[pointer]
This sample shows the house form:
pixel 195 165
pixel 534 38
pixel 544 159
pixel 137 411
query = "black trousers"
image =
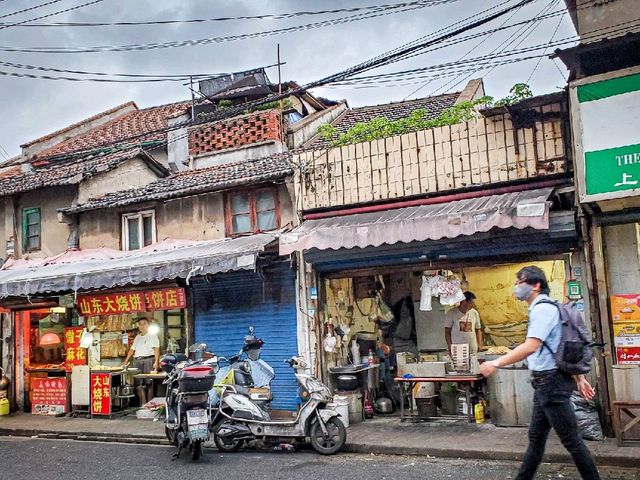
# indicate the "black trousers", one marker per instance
pixel 552 408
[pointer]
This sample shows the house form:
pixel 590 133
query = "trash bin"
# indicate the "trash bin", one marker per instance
pixel 427 406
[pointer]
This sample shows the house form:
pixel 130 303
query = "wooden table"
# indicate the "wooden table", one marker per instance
pixel 407 384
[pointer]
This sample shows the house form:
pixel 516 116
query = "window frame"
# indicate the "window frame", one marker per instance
pixel 140 216
pixel 25 229
pixel 253 212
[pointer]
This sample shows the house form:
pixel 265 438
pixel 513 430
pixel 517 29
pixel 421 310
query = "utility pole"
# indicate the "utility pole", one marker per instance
pixel 279 77
pixel 193 99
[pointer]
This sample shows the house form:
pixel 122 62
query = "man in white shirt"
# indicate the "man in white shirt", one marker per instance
pixel 462 324
pixel 146 352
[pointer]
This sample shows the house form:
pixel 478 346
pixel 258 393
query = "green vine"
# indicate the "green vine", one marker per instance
pixel 382 127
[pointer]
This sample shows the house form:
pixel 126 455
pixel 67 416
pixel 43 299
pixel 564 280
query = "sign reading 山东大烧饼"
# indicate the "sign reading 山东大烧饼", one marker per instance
pixel 610 131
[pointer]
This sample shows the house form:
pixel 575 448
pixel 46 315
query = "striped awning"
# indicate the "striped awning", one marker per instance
pixel 525 209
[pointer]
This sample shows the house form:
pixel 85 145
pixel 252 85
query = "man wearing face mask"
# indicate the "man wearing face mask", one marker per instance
pixel 553 388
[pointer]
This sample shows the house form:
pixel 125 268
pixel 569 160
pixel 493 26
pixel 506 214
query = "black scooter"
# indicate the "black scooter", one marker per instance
pixel 188 411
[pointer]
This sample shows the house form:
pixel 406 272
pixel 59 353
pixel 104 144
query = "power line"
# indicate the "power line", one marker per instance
pixel 137 77
pixel 206 41
pixel 272 16
pixel 59 12
pixel 29 9
pixel 384 59
pixel 555 32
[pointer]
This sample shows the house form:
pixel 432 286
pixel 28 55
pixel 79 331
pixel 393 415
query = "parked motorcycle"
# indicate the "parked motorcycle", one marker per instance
pixel 251 375
pixel 188 411
pixel 239 419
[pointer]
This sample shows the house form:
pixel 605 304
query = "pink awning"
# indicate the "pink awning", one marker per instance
pixel 526 209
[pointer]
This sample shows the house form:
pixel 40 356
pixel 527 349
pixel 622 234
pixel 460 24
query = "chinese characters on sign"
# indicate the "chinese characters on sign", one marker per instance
pixel 166 299
pixel 74 354
pixel 113 304
pixel 628 355
pixel 100 394
pixel 48 396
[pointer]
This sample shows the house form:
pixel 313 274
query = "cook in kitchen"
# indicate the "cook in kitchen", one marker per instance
pixel 462 324
pixel 145 350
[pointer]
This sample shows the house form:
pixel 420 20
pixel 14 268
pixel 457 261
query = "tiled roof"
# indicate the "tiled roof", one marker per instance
pixel 392 111
pixel 198 181
pixel 120 129
pixel 85 121
pixel 56 173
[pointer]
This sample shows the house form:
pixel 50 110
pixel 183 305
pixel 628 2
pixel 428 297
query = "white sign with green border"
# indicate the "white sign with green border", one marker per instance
pixel 610 131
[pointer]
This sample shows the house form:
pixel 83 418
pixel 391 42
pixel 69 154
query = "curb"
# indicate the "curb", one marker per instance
pixel 361 448
pixel 601 460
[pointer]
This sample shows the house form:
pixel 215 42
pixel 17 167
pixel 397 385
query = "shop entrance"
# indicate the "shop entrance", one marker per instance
pixel 414 321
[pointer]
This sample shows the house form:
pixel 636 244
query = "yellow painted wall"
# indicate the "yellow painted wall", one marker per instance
pixel 504 318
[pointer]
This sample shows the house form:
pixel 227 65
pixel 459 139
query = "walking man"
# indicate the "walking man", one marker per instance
pixel 551 404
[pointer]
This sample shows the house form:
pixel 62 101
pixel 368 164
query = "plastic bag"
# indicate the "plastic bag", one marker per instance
pixel 385 314
pixel 587 416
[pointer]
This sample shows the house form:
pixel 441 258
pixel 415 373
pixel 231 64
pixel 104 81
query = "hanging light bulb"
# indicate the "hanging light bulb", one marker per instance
pixel 154 328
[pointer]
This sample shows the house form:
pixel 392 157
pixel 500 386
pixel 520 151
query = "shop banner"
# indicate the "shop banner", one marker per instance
pixel 626 334
pixel 628 355
pixel 625 308
pixel 116 303
pixel 48 396
pixel 74 354
pixel 100 394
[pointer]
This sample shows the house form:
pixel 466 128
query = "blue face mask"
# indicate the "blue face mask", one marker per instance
pixel 523 291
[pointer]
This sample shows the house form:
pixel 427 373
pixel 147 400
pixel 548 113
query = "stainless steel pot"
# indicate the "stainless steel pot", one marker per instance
pixel 4 380
pixel 384 405
pixel 127 390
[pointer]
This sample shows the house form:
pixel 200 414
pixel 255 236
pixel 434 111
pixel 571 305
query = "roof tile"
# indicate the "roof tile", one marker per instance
pixel 196 181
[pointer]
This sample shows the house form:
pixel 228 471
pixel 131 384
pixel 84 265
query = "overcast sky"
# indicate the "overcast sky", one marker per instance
pixel 35 107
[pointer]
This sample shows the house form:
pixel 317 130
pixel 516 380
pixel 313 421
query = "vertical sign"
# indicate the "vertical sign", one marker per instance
pixel 74 354
pixel 100 394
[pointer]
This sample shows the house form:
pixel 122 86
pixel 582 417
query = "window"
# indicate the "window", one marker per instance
pixel 31 229
pixel 138 230
pixel 252 211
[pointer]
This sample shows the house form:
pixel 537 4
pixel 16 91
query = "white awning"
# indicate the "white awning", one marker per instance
pixel 526 209
pixel 179 259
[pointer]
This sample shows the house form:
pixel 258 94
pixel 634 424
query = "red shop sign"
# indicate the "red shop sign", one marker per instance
pixel 116 303
pixel 100 394
pixel 48 396
pixel 74 354
pixel 628 355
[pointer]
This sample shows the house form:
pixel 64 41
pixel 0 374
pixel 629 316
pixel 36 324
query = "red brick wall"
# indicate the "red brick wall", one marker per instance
pixel 236 132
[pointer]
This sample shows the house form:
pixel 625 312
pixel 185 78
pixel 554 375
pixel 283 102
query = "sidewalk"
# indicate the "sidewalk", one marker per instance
pixel 382 435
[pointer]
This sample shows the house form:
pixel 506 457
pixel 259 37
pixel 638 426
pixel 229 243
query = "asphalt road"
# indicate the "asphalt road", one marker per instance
pixel 31 458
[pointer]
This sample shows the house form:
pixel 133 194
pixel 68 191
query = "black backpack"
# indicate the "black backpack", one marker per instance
pixel 575 349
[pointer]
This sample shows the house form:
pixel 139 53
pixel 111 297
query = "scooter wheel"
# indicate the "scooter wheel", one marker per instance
pixel 334 440
pixel 228 447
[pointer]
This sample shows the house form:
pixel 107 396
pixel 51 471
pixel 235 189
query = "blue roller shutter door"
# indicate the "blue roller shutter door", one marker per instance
pixel 227 304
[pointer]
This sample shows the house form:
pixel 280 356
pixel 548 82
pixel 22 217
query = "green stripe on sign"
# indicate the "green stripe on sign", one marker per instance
pixel 608 88
pixel 612 170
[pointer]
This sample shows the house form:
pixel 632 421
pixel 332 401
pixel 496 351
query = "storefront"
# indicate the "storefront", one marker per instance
pixel 74 321
pixel 387 279
pixel 605 109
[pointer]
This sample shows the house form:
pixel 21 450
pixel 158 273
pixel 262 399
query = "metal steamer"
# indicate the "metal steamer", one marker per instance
pixel 188 408
pixel 239 419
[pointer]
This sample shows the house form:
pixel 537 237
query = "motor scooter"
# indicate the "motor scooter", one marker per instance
pixel 239 419
pixel 188 410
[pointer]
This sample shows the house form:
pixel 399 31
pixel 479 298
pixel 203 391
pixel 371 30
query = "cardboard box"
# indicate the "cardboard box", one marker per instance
pixel 625 308
pixel 428 357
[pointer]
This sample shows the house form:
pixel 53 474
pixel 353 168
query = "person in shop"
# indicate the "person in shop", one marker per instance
pixel 462 324
pixel 552 388
pixel 146 352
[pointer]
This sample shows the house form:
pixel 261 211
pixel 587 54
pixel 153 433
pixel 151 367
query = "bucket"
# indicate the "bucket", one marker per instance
pixel 427 406
pixel 354 406
pixel 342 407
pixel 449 402
pixel 5 408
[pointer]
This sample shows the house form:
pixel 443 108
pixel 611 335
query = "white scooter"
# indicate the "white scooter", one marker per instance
pixel 239 419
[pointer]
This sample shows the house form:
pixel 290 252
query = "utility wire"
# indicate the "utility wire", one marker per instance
pixel 59 12
pixel 18 12
pixel 207 41
pixel 487 37
pixel 380 60
pixel 272 16
pixel 555 32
